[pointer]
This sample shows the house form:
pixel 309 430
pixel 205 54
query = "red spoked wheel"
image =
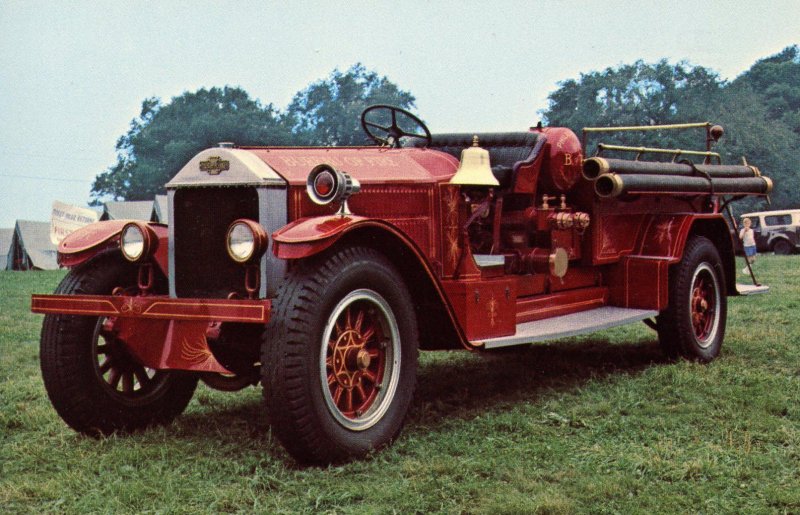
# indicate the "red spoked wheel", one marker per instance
pixel 704 302
pixel 360 361
pixel 693 325
pixel 339 357
pixel 118 371
pixel 93 381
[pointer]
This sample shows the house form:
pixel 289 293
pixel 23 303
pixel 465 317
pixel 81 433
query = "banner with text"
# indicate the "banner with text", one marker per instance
pixel 66 218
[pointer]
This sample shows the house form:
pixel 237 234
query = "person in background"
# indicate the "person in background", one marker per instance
pixel 748 242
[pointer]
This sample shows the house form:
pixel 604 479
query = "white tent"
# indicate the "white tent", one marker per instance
pixel 6 235
pixel 31 248
pixel 128 210
pixel 160 210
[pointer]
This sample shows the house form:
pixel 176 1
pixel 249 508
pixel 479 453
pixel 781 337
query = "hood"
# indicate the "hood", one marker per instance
pixel 280 165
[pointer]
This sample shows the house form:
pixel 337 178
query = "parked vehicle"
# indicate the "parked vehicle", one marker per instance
pixel 776 231
pixel 320 272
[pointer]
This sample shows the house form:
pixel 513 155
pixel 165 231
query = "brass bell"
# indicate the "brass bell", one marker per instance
pixel 474 169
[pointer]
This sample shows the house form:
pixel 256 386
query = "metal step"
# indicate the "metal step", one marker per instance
pixel 569 325
pixel 489 260
pixel 751 289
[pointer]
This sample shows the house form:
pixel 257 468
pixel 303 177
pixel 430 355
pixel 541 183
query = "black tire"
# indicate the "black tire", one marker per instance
pixel 92 381
pixel 353 399
pixel 693 325
pixel 782 247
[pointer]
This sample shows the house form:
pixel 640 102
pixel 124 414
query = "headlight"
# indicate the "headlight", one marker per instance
pixel 246 241
pixel 136 242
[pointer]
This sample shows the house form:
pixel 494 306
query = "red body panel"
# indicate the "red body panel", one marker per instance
pixel 169 344
pixel 640 282
pixel 485 308
pixel 371 165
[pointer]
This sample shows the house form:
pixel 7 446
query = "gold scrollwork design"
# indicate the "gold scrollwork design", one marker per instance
pixel 197 353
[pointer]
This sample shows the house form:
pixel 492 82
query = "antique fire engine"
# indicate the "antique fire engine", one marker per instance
pixel 320 272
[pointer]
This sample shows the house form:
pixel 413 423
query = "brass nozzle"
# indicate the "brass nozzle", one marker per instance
pixel 595 167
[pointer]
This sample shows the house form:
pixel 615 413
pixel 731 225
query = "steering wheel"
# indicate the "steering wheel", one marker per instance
pixel 389 136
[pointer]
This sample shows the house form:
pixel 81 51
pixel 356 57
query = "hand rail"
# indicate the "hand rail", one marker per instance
pixel 710 138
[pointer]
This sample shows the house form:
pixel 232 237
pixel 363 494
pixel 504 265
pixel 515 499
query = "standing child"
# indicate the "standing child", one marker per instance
pixel 748 242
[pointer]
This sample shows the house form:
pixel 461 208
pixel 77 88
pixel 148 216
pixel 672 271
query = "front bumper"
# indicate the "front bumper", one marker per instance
pixel 161 332
pixel 155 307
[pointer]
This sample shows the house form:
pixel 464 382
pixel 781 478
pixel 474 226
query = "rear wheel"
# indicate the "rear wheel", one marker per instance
pixel 92 380
pixel 782 248
pixel 693 326
pixel 340 357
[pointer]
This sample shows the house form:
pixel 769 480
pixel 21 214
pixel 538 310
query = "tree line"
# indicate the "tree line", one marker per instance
pixel 760 110
pixel 166 135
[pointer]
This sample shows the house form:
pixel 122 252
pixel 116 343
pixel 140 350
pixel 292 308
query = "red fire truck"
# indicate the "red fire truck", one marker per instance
pixel 320 272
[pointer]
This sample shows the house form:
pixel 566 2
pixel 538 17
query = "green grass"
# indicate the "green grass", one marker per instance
pixel 595 424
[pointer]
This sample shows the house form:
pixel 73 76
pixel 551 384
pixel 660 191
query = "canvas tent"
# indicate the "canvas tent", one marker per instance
pixel 31 248
pixel 6 235
pixel 160 210
pixel 128 210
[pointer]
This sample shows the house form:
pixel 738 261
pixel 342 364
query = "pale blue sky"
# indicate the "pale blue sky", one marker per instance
pixel 74 74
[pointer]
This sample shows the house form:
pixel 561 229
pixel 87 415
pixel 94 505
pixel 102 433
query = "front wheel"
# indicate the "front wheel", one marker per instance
pixel 340 357
pixel 693 325
pixel 92 380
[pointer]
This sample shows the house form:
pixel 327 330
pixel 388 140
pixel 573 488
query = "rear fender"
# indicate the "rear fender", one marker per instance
pixel 718 231
pixel 709 225
pixel 89 241
pixel 641 278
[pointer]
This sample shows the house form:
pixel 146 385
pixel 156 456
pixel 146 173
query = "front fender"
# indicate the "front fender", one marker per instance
pixel 88 241
pixel 308 236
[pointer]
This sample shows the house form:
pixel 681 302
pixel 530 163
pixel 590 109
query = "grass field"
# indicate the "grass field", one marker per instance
pixel 595 424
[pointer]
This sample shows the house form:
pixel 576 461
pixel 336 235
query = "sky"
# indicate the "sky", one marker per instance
pixel 74 74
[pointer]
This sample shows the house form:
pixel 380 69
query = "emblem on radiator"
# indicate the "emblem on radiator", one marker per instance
pixel 214 165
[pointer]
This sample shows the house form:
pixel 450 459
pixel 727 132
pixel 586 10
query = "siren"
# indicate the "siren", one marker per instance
pixel 326 184
pixel 474 169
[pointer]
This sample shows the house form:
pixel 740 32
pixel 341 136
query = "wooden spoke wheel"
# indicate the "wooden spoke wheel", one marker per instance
pixel 339 356
pixel 94 383
pixel 360 359
pixel 130 382
pixel 693 325
pixel 704 303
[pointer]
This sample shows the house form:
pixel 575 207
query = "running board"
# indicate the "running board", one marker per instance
pixel 569 325
pixel 751 289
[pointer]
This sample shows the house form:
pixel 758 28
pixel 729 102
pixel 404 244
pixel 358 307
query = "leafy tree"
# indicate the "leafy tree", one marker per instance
pixel 634 94
pixel 760 112
pixel 777 80
pixel 752 133
pixel 166 136
pixel 328 111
